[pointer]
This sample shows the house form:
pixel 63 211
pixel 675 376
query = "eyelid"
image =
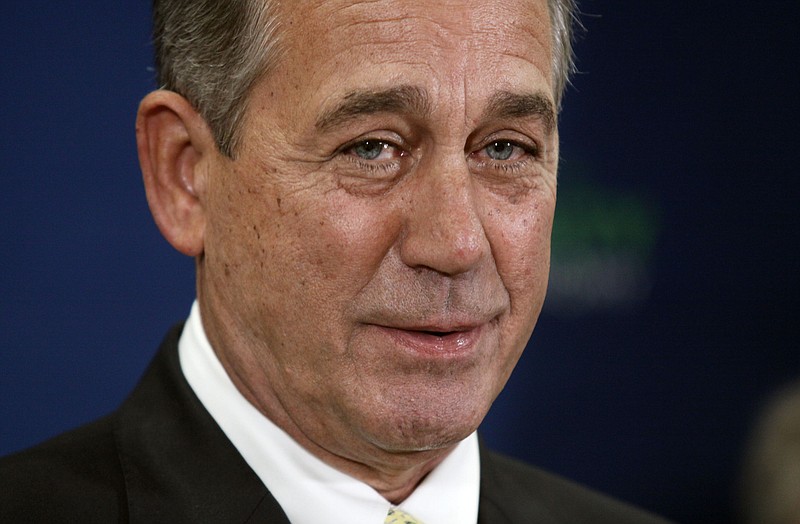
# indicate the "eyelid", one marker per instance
pixel 387 137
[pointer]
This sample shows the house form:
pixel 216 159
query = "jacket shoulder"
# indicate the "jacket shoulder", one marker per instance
pixel 74 476
pixel 515 492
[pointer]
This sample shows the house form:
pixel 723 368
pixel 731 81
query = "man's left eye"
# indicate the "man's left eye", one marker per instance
pixel 371 149
pixel 502 150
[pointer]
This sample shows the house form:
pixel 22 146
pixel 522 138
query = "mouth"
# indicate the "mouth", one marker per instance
pixel 438 341
pixel 436 333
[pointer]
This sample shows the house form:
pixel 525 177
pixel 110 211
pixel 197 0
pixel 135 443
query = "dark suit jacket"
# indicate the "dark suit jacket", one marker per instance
pixel 161 458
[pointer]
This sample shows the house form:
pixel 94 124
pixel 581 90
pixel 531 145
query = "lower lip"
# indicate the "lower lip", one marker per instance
pixel 455 344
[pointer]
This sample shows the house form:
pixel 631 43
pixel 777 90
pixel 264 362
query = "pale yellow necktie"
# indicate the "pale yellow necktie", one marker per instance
pixel 398 516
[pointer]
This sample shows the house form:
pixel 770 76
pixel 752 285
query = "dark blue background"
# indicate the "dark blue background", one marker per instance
pixel 689 107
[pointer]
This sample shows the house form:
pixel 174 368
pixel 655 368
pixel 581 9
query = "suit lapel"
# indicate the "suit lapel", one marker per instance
pixel 490 510
pixel 505 499
pixel 178 464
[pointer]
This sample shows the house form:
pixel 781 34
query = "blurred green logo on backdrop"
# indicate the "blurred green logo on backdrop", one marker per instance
pixel 603 245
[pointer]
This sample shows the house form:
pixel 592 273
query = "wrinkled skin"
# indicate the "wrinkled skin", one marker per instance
pixel 376 255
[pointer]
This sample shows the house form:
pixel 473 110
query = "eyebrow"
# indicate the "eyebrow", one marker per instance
pixel 414 100
pixel 507 104
pixel 400 99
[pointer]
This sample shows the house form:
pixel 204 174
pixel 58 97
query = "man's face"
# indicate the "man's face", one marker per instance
pixel 377 254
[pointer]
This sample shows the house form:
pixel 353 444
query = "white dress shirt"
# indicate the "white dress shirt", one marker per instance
pixel 305 486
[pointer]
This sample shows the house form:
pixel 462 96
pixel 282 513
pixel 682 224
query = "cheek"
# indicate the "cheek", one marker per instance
pixel 241 251
pixel 522 253
pixel 349 238
pixel 320 249
pixel 522 257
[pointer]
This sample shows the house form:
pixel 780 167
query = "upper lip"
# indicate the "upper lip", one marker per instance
pixel 433 319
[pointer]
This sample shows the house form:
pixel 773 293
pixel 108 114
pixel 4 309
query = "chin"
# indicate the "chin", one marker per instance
pixel 439 428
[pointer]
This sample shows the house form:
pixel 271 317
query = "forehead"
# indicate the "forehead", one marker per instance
pixel 397 20
pixel 448 45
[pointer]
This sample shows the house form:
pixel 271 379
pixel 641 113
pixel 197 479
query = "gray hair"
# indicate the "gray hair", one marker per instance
pixel 563 16
pixel 213 52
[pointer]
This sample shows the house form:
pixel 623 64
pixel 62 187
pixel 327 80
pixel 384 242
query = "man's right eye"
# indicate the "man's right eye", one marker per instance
pixel 375 150
pixel 371 161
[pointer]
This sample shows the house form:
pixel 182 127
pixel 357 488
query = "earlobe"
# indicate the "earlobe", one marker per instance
pixel 175 146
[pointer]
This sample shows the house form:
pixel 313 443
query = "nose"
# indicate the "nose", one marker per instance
pixel 443 227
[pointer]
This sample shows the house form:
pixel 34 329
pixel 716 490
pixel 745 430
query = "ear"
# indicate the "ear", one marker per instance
pixel 175 149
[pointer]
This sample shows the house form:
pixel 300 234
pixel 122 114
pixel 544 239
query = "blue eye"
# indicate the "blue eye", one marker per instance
pixel 370 149
pixel 500 150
